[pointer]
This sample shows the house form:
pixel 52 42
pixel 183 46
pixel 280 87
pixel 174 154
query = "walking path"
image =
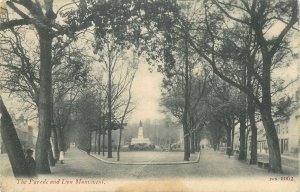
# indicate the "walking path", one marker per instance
pixel 283 156
pixel 211 164
pixel 290 157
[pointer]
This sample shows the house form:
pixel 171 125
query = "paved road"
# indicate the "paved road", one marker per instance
pixel 212 164
pixel 214 171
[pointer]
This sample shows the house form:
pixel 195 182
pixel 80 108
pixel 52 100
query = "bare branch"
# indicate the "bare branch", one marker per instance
pixel 13 23
pixel 216 2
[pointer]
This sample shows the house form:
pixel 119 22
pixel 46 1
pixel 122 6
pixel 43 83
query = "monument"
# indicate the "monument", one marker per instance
pixel 140 139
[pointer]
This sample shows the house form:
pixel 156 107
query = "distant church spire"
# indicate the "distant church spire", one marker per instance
pixel 141 124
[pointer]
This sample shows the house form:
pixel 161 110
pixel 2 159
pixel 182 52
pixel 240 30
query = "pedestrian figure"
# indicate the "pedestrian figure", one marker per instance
pixel 30 163
pixel 62 157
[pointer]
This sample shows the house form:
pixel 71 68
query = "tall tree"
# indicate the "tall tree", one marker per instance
pixel 12 143
pixel 125 114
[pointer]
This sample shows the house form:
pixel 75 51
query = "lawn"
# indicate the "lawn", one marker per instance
pixel 148 156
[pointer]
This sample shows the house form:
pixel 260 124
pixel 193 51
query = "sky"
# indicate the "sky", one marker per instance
pixel 146 93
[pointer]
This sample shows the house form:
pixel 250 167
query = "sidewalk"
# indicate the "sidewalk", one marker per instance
pixel 287 162
pixel 290 157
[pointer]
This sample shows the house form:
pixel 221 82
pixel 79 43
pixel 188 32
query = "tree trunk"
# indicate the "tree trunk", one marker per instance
pixel 51 158
pixel 103 143
pixel 90 142
pixel 95 142
pixel 12 144
pixel 55 143
pixel 44 102
pixel 89 147
pixel 272 140
pixel 51 153
pixel 197 141
pixel 251 114
pixel 266 114
pixel 193 142
pixel 109 144
pixel 242 149
pixel 228 150
pixel 63 142
pixel 119 145
pixel 186 140
pixel 186 133
pixel 99 141
pixel 109 98
pixel 232 139
pixel 246 145
pixel 60 143
pixel 59 134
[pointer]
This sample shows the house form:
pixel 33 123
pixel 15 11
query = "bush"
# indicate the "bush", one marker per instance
pixel 175 145
pixel 141 147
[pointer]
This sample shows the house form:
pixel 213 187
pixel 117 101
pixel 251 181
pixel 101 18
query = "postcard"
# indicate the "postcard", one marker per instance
pixel 138 95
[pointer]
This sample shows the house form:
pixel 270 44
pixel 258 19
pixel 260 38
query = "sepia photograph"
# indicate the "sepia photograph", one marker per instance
pixel 149 95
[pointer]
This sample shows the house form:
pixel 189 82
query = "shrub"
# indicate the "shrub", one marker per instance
pixel 141 147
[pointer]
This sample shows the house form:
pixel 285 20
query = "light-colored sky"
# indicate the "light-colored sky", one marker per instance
pixel 146 93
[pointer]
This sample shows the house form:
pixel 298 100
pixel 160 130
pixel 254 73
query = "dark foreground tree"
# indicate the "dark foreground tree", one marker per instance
pixel 12 143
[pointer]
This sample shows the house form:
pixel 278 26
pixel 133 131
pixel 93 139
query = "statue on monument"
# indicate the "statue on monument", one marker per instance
pixel 140 139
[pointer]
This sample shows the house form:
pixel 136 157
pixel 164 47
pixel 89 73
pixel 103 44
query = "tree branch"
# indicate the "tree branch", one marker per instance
pixel 217 3
pixel 14 23
pixel 294 19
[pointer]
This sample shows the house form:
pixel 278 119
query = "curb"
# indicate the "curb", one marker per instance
pixel 146 163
